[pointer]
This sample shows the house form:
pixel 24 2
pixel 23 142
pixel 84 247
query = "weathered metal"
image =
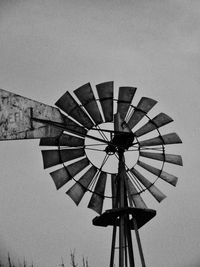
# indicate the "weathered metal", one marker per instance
pixel 23 118
pixel 54 157
pixel 69 105
pixel 96 201
pixel 135 196
pixel 64 174
pixel 125 98
pixel 143 107
pixel 158 195
pixel 105 92
pixel 167 177
pixel 63 140
pixel 170 138
pixel 160 120
pixel 16 114
pixel 171 158
pixel 87 99
pixel 77 191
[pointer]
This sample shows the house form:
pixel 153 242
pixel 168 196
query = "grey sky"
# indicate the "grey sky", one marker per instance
pixel 48 47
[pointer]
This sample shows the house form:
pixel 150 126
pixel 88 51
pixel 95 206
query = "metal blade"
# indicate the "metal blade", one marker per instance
pixel 54 157
pixel 63 175
pixel 143 107
pixel 158 195
pixel 73 127
pixel 171 158
pixel 86 97
pixel 96 201
pixel 171 138
pixel 169 178
pixel 157 122
pixel 125 97
pixel 105 92
pixel 63 140
pixel 77 191
pixel 16 118
pixel 137 199
pixel 72 108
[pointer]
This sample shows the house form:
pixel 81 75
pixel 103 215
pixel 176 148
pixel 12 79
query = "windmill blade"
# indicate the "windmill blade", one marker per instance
pixel 77 191
pixel 63 140
pixel 105 92
pixel 73 127
pixel 137 199
pixel 157 122
pixel 170 158
pixel 54 157
pixel 143 107
pixel 169 178
pixel 72 108
pixel 16 118
pixel 96 201
pixel 63 175
pixel 171 138
pixel 125 98
pixel 86 97
pixel 156 193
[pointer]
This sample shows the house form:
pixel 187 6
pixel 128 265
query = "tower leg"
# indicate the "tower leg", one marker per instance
pixel 130 245
pixel 113 246
pixel 121 241
pixel 139 243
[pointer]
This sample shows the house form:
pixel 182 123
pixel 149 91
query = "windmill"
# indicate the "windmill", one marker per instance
pixel 103 145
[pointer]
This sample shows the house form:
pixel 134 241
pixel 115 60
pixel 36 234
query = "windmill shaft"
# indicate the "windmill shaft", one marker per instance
pixel 125 238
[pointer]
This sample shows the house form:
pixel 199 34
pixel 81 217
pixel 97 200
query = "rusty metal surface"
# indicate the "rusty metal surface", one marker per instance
pixel 15 117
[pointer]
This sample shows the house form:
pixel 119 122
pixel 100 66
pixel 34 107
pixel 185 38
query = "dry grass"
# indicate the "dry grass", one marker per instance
pixel 73 262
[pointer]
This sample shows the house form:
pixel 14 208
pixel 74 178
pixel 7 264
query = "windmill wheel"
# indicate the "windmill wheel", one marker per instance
pixel 87 148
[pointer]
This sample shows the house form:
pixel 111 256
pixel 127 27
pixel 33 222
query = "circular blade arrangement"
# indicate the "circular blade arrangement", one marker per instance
pixel 89 115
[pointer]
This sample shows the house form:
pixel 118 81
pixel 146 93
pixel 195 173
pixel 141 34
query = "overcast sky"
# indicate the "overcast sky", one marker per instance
pixel 48 47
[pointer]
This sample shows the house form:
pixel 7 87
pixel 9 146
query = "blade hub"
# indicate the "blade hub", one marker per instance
pixel 121 141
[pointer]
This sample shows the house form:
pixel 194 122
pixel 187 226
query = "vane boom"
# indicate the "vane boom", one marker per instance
pixel 16 113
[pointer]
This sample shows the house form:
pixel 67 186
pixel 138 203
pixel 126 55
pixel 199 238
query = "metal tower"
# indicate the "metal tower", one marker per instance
pixel 107 146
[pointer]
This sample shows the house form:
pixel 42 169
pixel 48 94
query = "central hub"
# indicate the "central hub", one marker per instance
pixel 123 136
pixel 97 151
pixel 122 141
